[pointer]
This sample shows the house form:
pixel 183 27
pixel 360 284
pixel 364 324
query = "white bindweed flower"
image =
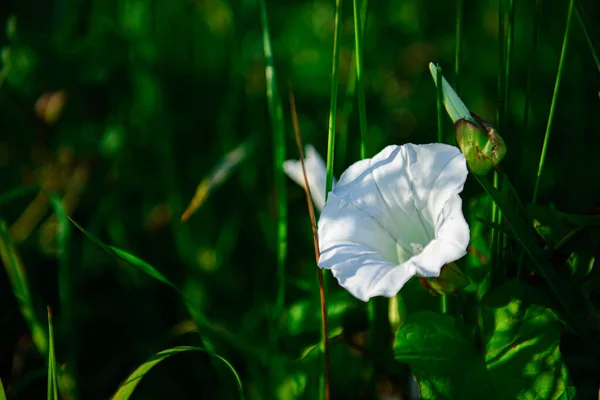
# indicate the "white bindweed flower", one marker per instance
pixel 393 216
pixel 316 173
pixel 454 105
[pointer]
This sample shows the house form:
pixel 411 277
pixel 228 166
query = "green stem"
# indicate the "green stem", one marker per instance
pixel 509 51
pixel 457 55
pixel 362 112
pixel 561 65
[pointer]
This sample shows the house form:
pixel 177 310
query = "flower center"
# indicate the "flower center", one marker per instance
pixel 417 248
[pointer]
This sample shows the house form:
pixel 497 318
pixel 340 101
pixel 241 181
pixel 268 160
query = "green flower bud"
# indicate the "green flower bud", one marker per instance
pixel 450 280
pixel 482 146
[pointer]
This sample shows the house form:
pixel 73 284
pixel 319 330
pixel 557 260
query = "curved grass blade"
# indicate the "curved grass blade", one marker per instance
pixel 218 176
pixel 128 258
pixel 18 279
pixel 2 392
pixel 127 388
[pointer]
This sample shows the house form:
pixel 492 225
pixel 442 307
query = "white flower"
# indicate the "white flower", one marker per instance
pixel 316 173
pixel 454 105
pixel 393 216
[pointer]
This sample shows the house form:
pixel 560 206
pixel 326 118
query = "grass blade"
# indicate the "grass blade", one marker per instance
pixel 337 32
pixel 276 115
pixel 18 279
pixel 52 380
pixel 457 51
pixel 128 258
pixel 561 65
pixel 510 36
pixel 440 104
pixel 128 387
pixel 362 110
pixel 583 22
pixel 218 176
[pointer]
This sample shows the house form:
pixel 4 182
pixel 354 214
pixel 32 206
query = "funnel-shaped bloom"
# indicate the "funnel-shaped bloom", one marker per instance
pixel 393 216
pixel 316 173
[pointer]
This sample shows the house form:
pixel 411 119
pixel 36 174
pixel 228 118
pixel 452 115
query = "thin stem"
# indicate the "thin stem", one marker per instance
pixel 313 222
pixel 440 104
pixel 534 44
pixel 362 112
pixel 501 67
pixel 457 55
pixel 561 65
pixel 334 95
pixel 580 17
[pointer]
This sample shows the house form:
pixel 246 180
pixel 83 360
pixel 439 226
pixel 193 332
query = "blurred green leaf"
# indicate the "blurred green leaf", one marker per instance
pixel 2 392
pixel 128 387
pixel 52 381
pixel 18 279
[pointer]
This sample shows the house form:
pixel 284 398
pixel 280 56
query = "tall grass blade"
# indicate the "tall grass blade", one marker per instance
pixel 440 104
pixel 561 65
pixel 18 280
pixel 358 51
pixel 52 380
pixel 128 387
pixel 510 37
pixel 276 115
pixel 458 45
pixel 337 31
pixel 2 392
pixel 313 221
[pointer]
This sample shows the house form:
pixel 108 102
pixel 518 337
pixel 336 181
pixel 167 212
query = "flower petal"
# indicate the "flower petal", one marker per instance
pixel 384 209
pixel 358 251
pixel 316 173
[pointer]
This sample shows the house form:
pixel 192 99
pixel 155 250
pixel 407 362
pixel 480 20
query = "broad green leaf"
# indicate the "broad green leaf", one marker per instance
pixel 128 387
pixel 546 213
pixel 519 359
pixel 522 339
pixel 572 306
pixel 442 357
pixel 478 253
pixel 18 280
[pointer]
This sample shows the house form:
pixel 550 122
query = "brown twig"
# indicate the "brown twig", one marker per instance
pixel 311 211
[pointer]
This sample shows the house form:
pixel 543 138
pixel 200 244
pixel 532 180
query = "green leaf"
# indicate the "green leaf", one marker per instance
pixel 52 380
pixel 522 339
pixel 520 356
pixel 442 357
pixel 128 387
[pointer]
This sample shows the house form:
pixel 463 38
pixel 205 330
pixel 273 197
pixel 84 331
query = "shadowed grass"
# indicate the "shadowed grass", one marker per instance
pixel 584 22
pixel 561 65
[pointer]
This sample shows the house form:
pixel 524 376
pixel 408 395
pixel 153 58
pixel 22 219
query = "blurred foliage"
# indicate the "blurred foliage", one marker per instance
pixel 123 107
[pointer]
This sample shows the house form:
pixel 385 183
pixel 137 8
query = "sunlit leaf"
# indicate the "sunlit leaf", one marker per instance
pixel 128 387
pixel 519 357
pixel 52 380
